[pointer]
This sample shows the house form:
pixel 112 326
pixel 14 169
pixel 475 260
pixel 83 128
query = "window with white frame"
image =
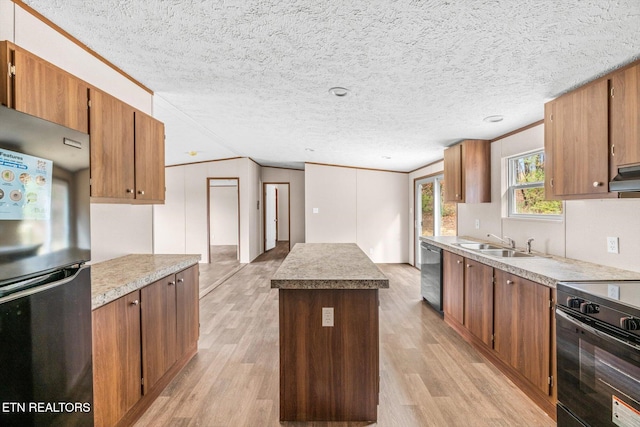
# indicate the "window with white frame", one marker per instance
pixel 526 188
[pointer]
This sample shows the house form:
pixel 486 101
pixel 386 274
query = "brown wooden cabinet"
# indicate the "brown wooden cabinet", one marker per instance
pixel 188 314
pixel 36 87
pixel 140 342
pixel 522 327
pixel 159 349
pixel 149 158
pixel 478 300
pixel 577 141
pixel 116 359
pixel 625 118
pixel 453 286
pixel 127 152
pixel 467 172
pixel 112 147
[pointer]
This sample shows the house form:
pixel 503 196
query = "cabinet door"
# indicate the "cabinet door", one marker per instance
pixel 625 118
pixel 158 313
pixel 112 147
pixel 478 300
pixel 476 171
pixel 149 158
pixel 522 327
pixel 116 359
pixel 187 303
pixel 580 156
pixel 453 286
pixel 46 91
pixel 453 174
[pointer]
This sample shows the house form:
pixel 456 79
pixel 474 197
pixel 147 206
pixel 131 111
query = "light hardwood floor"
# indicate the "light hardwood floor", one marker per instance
pixel 429 375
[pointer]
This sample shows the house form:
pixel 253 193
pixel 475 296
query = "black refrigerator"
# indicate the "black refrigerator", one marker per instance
pixel 45 284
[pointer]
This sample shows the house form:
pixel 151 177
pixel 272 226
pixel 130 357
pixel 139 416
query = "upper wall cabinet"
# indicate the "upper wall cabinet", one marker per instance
pixel 467 172
pixel 625 118
pixel 127 152
pixel 576 140
pixel 41 89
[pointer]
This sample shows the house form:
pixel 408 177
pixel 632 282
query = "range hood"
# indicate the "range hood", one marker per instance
pixel 628 179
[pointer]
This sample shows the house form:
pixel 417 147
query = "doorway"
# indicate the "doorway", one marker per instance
pixel 276 215
pixel 223 207
pixel 434 216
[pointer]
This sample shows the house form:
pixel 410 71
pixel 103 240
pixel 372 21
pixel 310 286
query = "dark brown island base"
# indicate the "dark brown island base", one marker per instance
pixel 329 347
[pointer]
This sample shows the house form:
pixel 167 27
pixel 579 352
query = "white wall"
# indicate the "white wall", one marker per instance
pixel 115 229
pixel 183 218
pixel 118 230
pixel 433 169
pixel 223 215
pixel 358 206
pixel 296 180
pixel 580 235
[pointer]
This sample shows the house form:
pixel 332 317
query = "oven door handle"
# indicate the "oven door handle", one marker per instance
pixel 594 331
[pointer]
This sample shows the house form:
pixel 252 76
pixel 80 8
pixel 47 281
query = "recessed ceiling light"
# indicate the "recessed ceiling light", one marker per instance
pixel 309 149
pixel 386 157
pixel 339 91
pixel 493 119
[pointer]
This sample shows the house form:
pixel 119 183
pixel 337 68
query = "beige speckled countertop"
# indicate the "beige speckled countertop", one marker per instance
pixel 544 269
pixel 117 277
pixel 328 266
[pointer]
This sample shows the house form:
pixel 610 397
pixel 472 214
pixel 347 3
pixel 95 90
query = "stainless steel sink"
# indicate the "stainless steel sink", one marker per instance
pixel 505 253
pixel 477 246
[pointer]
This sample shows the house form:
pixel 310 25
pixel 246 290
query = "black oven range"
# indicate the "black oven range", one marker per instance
pixel 598 354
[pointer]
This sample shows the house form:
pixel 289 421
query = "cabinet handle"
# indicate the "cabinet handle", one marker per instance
pixel 468 265
pixel 129 190
pixel 172 283
pixel 180 280
pixel 135 302
pixel 510 282
pixel 459 262
pixel 140 192
pixel 551 182
pixel 613 151
pixel 597 184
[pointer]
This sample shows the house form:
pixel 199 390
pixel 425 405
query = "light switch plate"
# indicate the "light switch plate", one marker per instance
pixel 613 291
pixel 327 316
pixel 477 224
pixel 612 245
pixel 316 210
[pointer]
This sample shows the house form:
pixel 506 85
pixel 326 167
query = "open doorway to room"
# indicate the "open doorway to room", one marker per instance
pixel 276 216
pixel 223 206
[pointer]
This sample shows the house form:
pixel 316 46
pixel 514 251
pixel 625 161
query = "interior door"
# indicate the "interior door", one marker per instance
pixel 271 219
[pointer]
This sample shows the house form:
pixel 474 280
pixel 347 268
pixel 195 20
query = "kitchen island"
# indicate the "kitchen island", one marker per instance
pixel 329 347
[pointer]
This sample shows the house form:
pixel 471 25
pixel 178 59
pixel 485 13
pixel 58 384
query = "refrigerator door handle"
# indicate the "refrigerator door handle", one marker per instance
pixel 37 284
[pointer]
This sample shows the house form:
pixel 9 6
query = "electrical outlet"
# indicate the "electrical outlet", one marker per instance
pixel 327 316
pixel 613 291
pixel 477 224
pixel 316 210
pixel 612 245
pixel 371 251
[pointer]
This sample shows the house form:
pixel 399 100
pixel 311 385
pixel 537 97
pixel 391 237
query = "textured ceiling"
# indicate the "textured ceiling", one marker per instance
pixel 251 77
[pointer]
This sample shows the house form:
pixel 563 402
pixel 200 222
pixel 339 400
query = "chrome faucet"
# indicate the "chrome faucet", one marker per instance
pixel 529 245
pixel 507 240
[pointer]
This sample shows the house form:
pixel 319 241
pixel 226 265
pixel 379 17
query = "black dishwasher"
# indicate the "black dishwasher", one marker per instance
pixel 431 275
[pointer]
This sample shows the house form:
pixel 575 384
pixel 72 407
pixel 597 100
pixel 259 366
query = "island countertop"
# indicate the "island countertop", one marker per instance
pixel 117 277
pixel 328 266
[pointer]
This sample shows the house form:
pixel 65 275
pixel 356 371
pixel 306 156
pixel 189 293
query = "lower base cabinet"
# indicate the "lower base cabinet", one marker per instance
pixel 140 342
pixel 508 319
